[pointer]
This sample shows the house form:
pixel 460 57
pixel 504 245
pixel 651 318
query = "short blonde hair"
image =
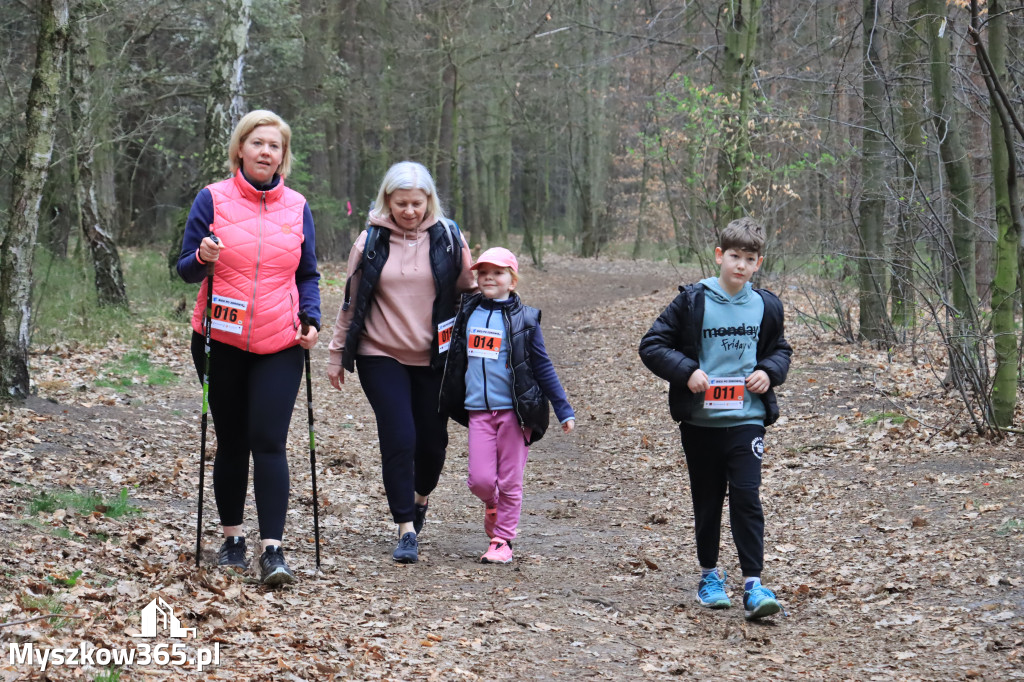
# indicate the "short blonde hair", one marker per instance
pixel 251 121
pixel 408 175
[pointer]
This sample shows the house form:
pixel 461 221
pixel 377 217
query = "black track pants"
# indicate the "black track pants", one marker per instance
pixel 718 458
pixel 412 435
pixel 251 398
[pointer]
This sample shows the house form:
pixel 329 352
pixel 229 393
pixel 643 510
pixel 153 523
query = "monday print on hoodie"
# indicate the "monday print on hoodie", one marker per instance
pixel 728 348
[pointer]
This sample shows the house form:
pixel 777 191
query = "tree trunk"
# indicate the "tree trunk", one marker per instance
pixel 957 166
pixel 95 215
pixel 742 18
pixel 534 198
pixel 873 323
pixel 911 104
pixel 30 172
pixel 1004 173
pixel 476 221
pixel 445 166
pixel 224 103
pixel 591 171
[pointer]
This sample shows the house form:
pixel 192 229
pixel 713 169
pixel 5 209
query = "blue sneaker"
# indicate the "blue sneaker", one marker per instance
pixel 760 602
pixel 408 550
pixel 711 591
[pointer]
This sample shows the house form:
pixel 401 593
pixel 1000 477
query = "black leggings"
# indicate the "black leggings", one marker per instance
pixel 251 399
pixel 412 434
pixel 720 457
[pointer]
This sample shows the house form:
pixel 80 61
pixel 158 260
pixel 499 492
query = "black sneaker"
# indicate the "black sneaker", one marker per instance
pixel 232 553
pixel 408 550
pixel 273 570
pixel 421 518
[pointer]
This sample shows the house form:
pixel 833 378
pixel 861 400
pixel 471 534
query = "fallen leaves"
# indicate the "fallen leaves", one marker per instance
pixel 895 546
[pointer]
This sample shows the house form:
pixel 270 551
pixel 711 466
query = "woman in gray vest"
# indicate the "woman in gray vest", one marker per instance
pixel 406 272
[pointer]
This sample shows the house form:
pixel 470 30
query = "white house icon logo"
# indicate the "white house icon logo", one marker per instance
pixel 159 613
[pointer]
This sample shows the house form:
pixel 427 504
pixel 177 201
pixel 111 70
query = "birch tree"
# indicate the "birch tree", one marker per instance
pixel 225 103
pixel 19 238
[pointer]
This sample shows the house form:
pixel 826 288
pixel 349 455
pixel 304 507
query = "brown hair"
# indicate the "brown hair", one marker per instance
pixel 743 234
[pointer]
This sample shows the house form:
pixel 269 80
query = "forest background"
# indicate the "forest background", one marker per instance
pixel 607 142
pixel 877 141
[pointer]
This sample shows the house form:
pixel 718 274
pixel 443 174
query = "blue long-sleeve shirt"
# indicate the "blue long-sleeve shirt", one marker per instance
pixel 307 276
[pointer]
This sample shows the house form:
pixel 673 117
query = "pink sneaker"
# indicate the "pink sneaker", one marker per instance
pixel 500 552
pixel 490 518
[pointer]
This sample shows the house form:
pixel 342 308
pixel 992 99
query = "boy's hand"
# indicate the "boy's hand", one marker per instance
pixel 699 383
pixel 758 382
pixel 568 426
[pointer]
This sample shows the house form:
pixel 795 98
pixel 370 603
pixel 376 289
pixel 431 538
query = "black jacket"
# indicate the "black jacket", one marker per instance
pixel 521 324
pixel 671 349
pixel 446 266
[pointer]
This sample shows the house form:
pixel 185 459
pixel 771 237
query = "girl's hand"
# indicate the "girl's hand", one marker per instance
pixel 308 338
pixel 699 383
pixel 336 375
pixel 568 426
pixel 758 382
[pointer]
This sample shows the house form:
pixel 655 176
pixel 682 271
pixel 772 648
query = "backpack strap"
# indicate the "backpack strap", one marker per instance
pixel 451 230
pixel 369 251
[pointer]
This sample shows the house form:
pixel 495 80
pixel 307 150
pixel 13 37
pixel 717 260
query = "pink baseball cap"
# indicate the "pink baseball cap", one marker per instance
pixel 499 256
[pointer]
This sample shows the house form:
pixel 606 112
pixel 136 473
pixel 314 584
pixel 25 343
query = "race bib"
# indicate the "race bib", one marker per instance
pixel 228 314
pixel 484 342
pixel 444 335
pixel 726 393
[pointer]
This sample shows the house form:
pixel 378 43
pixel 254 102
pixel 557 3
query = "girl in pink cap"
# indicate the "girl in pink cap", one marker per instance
pixel 498 380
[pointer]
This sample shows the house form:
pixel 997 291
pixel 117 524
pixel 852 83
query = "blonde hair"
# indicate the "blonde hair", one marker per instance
pixel 407 175
pixel 251 121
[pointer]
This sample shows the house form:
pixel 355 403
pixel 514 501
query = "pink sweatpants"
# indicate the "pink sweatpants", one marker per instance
pixel 497 458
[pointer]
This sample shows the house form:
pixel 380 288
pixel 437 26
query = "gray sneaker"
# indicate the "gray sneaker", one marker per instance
pixel 273 570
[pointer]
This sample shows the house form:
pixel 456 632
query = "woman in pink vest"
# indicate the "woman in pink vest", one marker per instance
pixel 266 309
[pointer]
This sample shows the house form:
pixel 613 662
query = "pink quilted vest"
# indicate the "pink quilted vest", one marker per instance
pixel 255 300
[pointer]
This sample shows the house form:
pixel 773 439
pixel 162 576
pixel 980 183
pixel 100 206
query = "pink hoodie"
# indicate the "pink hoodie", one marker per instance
pixel 398 320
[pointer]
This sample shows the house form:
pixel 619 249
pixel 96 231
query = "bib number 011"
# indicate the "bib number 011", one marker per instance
pixel 725 393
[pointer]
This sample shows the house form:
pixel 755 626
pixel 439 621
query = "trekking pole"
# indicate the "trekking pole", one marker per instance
pixel 312 449
pixel 207 321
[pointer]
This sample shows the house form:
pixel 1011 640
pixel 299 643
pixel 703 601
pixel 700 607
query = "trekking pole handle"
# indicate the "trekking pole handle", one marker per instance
pixel 210 265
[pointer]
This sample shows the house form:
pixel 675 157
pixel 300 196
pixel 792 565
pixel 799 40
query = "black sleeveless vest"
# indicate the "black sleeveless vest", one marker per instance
pixel 445 265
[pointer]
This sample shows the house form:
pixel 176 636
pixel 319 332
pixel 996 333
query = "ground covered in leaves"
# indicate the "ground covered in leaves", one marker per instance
pixel 895 535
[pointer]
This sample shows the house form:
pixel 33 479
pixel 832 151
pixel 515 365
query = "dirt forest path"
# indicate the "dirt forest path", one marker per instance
pixel 894 545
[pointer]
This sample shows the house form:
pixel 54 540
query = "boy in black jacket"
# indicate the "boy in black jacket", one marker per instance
pixel 720 345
